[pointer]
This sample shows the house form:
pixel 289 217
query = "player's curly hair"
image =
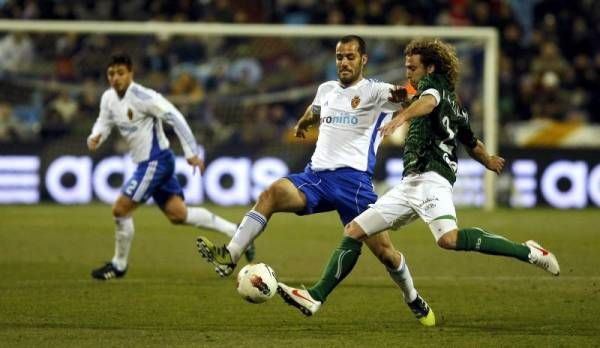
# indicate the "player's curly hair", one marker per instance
pixel 437 53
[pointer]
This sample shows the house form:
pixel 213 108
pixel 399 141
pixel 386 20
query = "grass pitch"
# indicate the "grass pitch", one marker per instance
pixel 171 297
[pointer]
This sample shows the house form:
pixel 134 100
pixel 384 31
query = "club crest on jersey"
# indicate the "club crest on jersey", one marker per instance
pixel 354 102
pixel 130 114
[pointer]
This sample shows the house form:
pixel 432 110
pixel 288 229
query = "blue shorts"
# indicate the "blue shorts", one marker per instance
pixel 154 178
pixel 346 190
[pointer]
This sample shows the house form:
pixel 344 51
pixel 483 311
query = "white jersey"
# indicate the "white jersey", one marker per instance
pixel 350 118
pixel 138 116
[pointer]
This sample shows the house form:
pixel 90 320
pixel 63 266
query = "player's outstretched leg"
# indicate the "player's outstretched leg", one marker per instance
pixel 218 256
pixel 204 218
pixel 477 239
pixel 108 271
pixel 422 311
pixel 299 298
pixel 542 258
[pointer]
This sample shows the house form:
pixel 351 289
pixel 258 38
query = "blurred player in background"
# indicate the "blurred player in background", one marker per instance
pixel 338 176
pixel 138 113
pixel 437 121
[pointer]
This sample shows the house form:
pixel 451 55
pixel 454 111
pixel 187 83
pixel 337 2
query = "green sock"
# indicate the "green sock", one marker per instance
pixel 477 239
pixel 340 264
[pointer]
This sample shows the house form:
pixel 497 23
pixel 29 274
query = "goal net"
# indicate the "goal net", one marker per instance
pixel 241 87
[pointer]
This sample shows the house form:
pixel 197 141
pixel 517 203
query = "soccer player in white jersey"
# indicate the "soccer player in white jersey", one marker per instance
pixel 437 123
pixel 138 113
pixel 349 112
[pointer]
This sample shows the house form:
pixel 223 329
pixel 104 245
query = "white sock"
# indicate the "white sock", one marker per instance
pixel 123 237
pixel 404 280
pixel 200 217
pixel 250 227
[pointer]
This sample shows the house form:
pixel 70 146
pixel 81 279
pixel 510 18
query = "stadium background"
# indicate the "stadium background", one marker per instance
pixel 241 96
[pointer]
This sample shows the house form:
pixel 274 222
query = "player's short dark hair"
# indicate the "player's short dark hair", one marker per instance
pixel 120 58
pixel 362 46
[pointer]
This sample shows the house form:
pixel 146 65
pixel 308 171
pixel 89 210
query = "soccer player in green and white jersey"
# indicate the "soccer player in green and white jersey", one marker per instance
pixel 437 121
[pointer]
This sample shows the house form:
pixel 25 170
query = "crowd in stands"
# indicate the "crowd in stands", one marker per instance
pixel 50 83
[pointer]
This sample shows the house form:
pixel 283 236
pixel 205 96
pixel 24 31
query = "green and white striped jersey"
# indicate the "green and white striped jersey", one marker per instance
pixel 432 140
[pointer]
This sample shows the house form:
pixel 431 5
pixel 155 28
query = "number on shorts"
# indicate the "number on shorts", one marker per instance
pixel 131 187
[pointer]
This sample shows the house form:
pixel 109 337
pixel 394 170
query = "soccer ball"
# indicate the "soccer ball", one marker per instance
pixel 256 283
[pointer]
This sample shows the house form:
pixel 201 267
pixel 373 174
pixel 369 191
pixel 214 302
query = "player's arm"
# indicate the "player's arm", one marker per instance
pixel 419 108
pixel 102 127
pixel 390 97
pixel 164 110
pixel 310 118
pixel 475 147
pixel 480 154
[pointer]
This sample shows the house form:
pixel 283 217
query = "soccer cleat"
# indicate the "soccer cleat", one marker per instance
pixel 422 311
pixel 542 257
pixel 108 271
pixel 250 252
pixel 218 256
pixel 299 298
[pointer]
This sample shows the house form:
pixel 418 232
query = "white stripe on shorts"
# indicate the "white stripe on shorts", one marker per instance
pixel 141 190
pixel 356 198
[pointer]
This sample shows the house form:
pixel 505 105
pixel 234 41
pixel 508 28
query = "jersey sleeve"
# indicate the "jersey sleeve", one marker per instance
pixel 381 94
pixel 428 86
pixel 317 102
pixel 103 124
pixel 465 134
pixel 159 107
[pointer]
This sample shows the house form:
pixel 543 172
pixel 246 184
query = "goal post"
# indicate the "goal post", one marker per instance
pixel 488 37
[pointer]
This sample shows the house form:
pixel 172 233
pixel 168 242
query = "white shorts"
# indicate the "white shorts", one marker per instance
pixel 427 195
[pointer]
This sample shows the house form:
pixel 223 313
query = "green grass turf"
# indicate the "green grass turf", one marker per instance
pixel 171 297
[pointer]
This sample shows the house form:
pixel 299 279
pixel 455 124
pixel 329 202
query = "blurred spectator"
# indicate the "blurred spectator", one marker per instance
pixel 156 57
pixel 550 60
pixel 16 53
pixel 9 126
pixel 221 12
pixel 508 89
pixel 88 100
pixel 31 10
pixel 91 59
pixel 187 93
pixel 525 96
pixel 257 129
pixel 549 64
pixel 245 70
pixel 66 48
pixel 551 101
pixel 65 106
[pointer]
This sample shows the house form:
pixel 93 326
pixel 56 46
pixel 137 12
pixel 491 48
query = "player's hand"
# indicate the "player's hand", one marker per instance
pixel 398 94
pixel 92 142
pixel 299 130
pixel 390 127
pixel 495 164
pixel 196 162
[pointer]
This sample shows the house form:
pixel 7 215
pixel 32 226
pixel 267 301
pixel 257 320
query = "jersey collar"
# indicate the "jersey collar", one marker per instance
pixel 362 80
pixel 126 91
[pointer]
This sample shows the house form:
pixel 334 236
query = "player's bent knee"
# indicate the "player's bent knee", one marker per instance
pixel 176 219
pixel 119 211
pixel 265 203
pixel 268 196
pixel 448 240
pixel 354 231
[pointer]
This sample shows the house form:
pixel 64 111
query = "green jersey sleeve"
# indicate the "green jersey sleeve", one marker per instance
pixel 465 134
